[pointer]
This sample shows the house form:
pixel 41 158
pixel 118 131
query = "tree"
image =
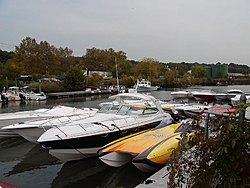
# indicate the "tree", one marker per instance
pixel 102 60
pixel 42 58
pixel 147 68
pixel 74 79
pixel 198 71
pixel 96 80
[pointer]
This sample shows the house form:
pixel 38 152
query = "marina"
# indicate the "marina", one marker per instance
pixel 26 164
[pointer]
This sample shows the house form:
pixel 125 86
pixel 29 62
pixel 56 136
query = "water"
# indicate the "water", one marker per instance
pixel 27 165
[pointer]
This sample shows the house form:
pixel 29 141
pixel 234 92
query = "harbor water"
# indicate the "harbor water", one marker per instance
pixel 27 165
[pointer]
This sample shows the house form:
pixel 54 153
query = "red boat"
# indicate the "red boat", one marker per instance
pixel 203 96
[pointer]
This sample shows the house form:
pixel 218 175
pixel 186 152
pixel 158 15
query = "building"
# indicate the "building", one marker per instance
pixel 217 71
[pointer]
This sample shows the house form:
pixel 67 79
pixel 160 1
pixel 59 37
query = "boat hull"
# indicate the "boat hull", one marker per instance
pixel 68 149
pixel 157 156
pixel 202 97
pixel 146 89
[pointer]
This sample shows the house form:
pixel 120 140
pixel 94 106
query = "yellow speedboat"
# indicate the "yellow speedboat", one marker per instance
pixel 122 151
pixel 148 150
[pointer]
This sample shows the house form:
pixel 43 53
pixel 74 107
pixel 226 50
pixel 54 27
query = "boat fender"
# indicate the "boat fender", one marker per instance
pixel 20 122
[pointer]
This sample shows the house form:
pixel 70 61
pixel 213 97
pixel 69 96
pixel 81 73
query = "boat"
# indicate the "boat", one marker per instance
pixel 26 93
pixel 144 86
pixel 123 150
pixel 82 139
pixel 190 110
pixel 181 94
pixel 7 119
pixel 225 109
pixel 203 96
pixel 34 96
pixel 235 101
pixel 12 94
pixel 233 92
pixel 221 96
pixel 33 129
pixel 132 148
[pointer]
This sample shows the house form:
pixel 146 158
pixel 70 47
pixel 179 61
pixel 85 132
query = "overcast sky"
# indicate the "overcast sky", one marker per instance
pixel 167 30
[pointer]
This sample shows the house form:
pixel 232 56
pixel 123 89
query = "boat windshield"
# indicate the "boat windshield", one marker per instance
pixel 108 108
pixel 136 110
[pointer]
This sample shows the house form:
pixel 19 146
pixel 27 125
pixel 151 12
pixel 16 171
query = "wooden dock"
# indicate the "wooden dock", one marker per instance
pixel 159 179
pixel 72 94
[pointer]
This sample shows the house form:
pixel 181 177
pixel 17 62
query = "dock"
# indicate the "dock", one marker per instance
pixel 72 94
pixel 159 179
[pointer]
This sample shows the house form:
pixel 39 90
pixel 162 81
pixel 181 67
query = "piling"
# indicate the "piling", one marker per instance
pixel 241 109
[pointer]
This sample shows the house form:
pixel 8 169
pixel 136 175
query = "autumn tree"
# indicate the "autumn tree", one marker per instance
pixel 95 80
pixel 102 60
pixel 147 68
pixel 198 71
pixel 42 58
pixel 74 79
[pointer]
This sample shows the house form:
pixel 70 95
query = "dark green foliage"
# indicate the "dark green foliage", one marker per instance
pixel 223 160
pixel 5 56
pixel 74 79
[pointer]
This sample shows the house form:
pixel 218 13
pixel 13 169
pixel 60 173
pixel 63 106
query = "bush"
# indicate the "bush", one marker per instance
pixel 222 160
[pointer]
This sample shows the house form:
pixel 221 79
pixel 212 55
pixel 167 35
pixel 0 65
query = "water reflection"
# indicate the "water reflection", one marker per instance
pixel 94 173
pixel 36 158
pixel 14 149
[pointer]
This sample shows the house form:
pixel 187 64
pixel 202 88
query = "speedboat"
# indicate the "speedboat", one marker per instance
pixel 23 116
pixel 181 94
pixel 203 96
pixel 33 129
pixel 82 138
pixel 190 110
pixel 138 148
pixel 233 92
pixel 235 101
pixel 144 86
pixel 196 111
pixel 34 96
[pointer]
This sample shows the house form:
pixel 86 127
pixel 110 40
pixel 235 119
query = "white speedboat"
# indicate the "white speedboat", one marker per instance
pixel 181 94
pixel 33 129
pixel 235 101
pixel 203 96
pixel 34 96
pixel 233 92
pixel 144 86
pixel 82 138
pixel 23 116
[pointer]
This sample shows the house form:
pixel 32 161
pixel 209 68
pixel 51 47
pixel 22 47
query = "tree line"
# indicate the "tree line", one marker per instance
pixel 45 60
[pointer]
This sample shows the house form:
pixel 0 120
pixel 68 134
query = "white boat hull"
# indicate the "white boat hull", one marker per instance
pixel 30 134
pixel 74 153
pixel 116 159
pixel 220 96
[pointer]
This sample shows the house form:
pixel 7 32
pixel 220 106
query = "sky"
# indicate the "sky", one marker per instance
pixel 166 30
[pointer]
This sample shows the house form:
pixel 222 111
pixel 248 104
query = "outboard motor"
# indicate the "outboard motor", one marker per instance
pixel 4 98
pixel 23 98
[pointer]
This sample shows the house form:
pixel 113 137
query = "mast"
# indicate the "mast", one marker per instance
pixel 117 79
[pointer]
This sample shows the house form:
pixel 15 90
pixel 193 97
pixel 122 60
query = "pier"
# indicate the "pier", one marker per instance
pixel 72 94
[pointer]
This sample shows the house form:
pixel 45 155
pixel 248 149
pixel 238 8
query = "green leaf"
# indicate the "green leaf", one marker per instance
pixel 233 143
